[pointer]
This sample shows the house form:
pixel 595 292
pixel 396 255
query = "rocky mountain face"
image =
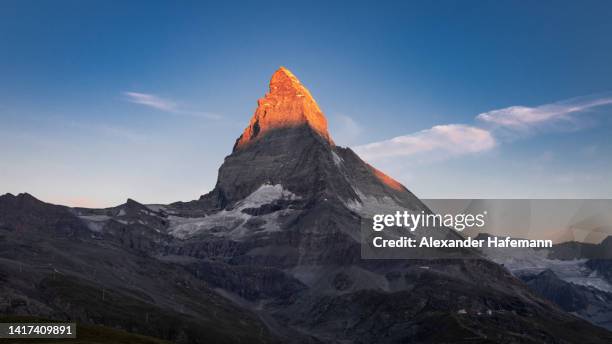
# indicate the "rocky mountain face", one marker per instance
pixel 56 265
pixel 287 105
pixel 272 252
pixel 287 144
pixel 586 301
pixel 573 275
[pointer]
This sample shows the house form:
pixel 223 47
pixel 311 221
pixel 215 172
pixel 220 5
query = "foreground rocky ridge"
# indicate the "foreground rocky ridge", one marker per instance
pixel 53 265
pixel 273 253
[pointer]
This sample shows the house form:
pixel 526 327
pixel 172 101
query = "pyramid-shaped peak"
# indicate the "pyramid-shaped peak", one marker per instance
pixel 284 80
pixel 288 104
pixel 283 73
pixel 284 70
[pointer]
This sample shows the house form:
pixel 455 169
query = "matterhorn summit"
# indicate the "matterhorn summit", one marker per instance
pixel 288 104
pixel 287 143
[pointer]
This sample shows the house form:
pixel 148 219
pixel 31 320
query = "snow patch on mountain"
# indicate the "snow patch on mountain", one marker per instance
pixel 368 205
pixel 231 222
pixel 160 208
pixel 95 223
pixel 266 194
pixel 337 159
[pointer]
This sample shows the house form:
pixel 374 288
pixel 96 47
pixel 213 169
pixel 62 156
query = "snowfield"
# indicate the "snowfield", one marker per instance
pixel 230 223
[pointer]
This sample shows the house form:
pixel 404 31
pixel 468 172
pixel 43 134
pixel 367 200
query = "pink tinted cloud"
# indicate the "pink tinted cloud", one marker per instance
pixel 441 140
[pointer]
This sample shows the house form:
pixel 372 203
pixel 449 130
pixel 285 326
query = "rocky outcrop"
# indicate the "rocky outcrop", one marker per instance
pixel 287 105
pixel 54 265
pixel 590 303
pixel 287 143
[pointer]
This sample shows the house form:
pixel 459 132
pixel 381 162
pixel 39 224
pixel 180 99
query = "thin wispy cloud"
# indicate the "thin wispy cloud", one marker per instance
pixel 452 140
pixel 165 105
pixel 151 101
pixel 441 141
pixel 523 117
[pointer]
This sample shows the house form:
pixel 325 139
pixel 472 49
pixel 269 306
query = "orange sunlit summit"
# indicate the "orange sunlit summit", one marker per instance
pixel 287 104
pixel 290 104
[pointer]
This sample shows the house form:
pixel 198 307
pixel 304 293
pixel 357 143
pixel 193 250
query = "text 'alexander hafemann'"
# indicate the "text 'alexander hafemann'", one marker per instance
pixel 458 222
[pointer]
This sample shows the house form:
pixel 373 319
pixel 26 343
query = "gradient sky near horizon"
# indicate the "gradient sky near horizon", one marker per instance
pixel 105 100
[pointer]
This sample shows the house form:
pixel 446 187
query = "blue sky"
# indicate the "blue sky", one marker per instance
pixel 105 100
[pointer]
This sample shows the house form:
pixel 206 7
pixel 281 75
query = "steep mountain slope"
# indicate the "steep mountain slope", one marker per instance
pixel 279 236
pixel 565 276
pixel 588 302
